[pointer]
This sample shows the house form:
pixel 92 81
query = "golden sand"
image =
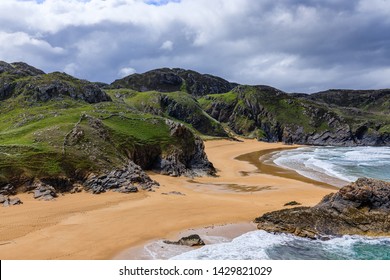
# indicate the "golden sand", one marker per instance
pixel 86 226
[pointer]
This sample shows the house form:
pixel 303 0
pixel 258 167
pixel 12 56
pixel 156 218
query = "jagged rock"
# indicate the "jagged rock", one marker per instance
pixel 77 188
pixel 362 207
pixel 191 240
pixel 189 160
pixel 43 191
pixel 15 201
pixel 8 190
pixel 7 201
pixel 123 180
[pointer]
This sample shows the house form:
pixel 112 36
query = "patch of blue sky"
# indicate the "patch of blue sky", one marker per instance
pixel 160 2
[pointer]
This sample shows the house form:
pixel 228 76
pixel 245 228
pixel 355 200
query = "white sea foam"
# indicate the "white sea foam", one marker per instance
pixel 330 164
pixel 258 245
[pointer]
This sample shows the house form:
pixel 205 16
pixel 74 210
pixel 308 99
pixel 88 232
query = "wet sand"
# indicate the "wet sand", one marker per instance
pixel 86 226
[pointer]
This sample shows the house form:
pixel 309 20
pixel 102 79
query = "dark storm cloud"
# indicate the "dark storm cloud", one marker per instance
pixel 294 45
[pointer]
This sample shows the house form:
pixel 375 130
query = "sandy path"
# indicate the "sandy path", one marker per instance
pixel 85 226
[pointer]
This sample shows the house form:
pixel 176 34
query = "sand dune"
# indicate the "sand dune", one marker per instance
pixel 86 226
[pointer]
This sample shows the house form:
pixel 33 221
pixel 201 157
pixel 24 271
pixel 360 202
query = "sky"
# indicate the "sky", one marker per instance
pixel 293 45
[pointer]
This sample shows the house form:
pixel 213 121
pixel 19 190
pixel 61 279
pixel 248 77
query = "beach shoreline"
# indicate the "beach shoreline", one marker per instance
pixel 82 226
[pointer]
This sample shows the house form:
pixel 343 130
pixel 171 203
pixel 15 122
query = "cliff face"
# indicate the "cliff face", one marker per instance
pixel 272 115
pixel 360 208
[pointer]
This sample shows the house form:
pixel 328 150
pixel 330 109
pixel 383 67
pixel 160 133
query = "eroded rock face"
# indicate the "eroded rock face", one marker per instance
pixel 126 180
pixel 188 158
pixel 362 207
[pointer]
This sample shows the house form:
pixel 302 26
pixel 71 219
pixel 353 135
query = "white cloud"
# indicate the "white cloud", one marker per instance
pixel 167 45
pixel 126 71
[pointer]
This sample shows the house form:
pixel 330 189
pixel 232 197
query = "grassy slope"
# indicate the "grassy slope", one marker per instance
pixel 179 106
pixel 32 136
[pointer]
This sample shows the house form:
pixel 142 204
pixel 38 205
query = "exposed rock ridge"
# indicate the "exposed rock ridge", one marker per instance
pixel 169 80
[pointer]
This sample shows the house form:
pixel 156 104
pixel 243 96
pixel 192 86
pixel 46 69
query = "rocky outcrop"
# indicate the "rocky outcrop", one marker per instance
pixel 191 240
pixel 170 80
pixel 126 180
pixel 362 207
pixel 43 191
pixel 58 86
pixel 7 201
pixel 38 86
pixel 187 157
pixel 7 189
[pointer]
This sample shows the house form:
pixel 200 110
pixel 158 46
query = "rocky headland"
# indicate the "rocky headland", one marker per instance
pixel 361 208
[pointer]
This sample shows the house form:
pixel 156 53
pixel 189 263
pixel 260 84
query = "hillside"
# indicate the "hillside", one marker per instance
pixel 61 130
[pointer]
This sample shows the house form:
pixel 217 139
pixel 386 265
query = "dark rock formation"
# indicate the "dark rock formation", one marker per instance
pixel 169 80
pixel 43 191
pixel 124 180
pixel 58 86
pixel 7 189
pixel 191 240
pixel 188 158
pixel 363 208
pixel 38 86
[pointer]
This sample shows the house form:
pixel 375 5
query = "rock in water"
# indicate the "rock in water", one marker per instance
pixel 362 207
pixel 191 240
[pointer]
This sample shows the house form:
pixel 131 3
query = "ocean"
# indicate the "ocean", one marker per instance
pixel 336 165
pixel 333 165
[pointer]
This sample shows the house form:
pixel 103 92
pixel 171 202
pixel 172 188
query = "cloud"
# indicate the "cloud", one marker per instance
pixel 167 45
pixel 295 45
pixel 126 71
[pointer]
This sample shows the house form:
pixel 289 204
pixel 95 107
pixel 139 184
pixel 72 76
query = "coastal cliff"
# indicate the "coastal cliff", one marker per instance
pixel 362 208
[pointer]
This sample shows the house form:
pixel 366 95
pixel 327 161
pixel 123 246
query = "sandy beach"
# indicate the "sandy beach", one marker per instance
pixel 86 226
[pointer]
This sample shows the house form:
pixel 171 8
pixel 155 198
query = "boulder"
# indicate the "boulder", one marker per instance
pixel 191 240
pixel 7 201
